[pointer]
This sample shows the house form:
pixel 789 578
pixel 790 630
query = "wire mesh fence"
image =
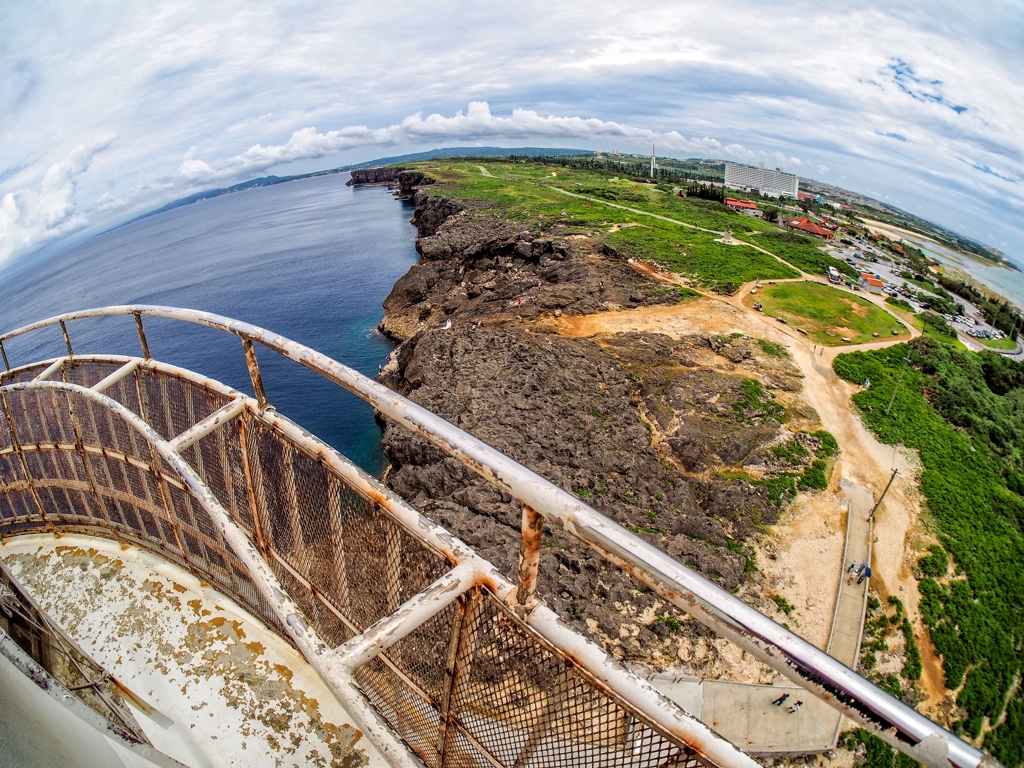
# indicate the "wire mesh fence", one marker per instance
pixel 472 686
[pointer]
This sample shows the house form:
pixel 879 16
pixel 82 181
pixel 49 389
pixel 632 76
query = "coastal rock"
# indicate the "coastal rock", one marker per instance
pixel 638 425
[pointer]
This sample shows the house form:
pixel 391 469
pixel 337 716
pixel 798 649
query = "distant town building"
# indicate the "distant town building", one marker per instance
pixel 808 226
pixel 871 284
pixel 762 180
pixel 743 206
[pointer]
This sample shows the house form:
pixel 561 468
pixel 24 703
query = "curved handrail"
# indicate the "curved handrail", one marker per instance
pixel 791 655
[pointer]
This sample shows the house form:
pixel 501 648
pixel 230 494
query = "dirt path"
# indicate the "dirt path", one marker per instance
pixel 809 539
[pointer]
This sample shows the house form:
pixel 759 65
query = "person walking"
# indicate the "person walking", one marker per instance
pixel 865 574
pixel 853 571
pixel 781 700
pixel 795 707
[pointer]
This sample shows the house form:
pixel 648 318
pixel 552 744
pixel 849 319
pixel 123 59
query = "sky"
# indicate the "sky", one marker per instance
pixel 111 109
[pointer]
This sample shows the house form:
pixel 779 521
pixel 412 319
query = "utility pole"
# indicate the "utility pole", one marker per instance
pixel 903 370
pixel 882 497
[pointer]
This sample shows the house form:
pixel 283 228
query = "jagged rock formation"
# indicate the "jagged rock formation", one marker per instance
pixel 629 422
pixel 406 181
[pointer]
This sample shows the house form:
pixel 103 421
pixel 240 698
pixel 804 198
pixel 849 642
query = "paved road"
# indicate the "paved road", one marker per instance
pixel 744 713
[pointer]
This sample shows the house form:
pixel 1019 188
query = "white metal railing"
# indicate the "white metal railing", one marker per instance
pixel 821 675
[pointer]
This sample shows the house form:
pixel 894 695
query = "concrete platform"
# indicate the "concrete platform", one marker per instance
pixel 227 691
pixel 743 713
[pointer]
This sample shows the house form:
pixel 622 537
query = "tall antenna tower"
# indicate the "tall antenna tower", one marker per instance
pixel 653 165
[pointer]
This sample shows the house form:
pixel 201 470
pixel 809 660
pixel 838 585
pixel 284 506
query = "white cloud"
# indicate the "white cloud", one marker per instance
pixel 799 86
pixel 31 218
pixel 478 123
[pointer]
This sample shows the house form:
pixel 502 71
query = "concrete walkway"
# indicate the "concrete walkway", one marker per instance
pixel 744 713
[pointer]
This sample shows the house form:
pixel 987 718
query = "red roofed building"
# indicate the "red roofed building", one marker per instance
pixel 871 283
pixel 808 226
pixel 744 206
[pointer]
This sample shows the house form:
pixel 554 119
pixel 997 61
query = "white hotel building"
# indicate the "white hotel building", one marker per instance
pixel 762 180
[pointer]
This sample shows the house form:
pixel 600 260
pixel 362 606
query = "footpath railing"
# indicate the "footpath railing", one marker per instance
pixel 425 643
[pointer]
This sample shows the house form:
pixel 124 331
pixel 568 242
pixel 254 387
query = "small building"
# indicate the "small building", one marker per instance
pixel 806 225
pixel 871 284
pixel 743 206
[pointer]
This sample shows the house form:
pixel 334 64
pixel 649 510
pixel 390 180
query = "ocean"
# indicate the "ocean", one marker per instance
pixel 311 259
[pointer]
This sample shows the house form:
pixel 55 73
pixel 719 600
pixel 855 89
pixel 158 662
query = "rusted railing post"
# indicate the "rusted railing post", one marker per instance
pixel 67 339
pixel 254 373
pixel 7 365
pixel 460 646
pixel 142 335
pixel 529 556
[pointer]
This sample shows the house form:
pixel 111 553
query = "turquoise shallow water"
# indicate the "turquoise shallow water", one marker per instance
pixel 311 259
pixel 1006 282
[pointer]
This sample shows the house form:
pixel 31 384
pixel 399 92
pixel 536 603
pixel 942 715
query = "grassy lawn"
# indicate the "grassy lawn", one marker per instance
pixel 826 313
pixel 528 193
pixel 999 343
pixel 799 250
pixel 696 255
pixel 916 321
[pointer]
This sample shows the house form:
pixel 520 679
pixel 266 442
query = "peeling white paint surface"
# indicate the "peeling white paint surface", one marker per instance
pixel 229 692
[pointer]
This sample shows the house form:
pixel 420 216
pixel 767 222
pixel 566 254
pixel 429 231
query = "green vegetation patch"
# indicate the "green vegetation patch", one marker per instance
pixel 899 303
pixel 876 753
pixel 593 201
pixel 936 335
pixel 827 314
pixel 969 432
pixel 799 250
pixel 1004 343
pixel 815 476
pixel 792 451
pixel 771 348
pixel 698 256
pixel 828 445
pixel 756 401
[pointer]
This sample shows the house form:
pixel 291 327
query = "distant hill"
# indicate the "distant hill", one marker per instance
pixel 434 154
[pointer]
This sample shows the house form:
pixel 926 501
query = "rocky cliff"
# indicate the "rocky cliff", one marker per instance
pixel 638 425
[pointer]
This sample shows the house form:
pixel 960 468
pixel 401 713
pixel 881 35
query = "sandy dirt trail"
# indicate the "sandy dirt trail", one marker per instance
pixel 807 544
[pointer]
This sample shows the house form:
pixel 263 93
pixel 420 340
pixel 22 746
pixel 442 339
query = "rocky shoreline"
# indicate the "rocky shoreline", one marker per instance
pixel 642 426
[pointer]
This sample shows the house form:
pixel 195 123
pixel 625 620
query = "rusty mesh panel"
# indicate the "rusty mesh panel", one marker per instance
pixel 354 555
pixel 403 707
pixel 172 405
pixel 512 701
pixel 526 704
pixel 423 654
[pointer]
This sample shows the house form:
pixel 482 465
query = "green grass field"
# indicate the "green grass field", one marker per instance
pixel 999 343
pixel 535 195
pixel 916 321
pixel 826 313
